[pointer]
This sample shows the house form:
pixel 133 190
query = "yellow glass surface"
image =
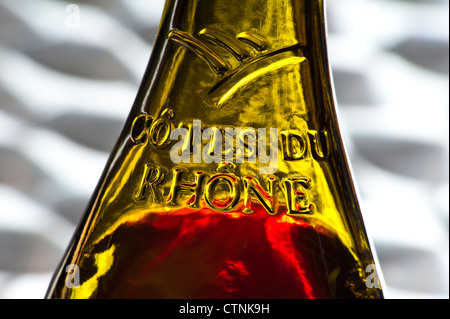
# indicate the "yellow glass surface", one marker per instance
pixel 267 216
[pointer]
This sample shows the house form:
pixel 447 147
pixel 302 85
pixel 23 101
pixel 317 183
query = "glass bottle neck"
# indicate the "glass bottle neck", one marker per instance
pixel 221 37
pixel 264 24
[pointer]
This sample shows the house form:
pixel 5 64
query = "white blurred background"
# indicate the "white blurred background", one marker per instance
pixel 69 73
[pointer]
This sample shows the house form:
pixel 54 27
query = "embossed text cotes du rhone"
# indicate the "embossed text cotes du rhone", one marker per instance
pixel 196 143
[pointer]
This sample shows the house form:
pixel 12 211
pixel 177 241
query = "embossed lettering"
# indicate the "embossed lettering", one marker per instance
pixel 152 177
pixel 211 190
pixel 267 199
pixel 145 128
pixel 222 191
pixel 296 198
pixel 320 144
pixel 191 188
pixel 140 127
pixel 293 145
pixel 160 133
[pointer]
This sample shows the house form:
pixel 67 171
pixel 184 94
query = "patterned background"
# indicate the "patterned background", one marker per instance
pixel 65 92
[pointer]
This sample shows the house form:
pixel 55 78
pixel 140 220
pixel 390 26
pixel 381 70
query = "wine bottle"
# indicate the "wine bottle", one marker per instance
pixel 230 178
